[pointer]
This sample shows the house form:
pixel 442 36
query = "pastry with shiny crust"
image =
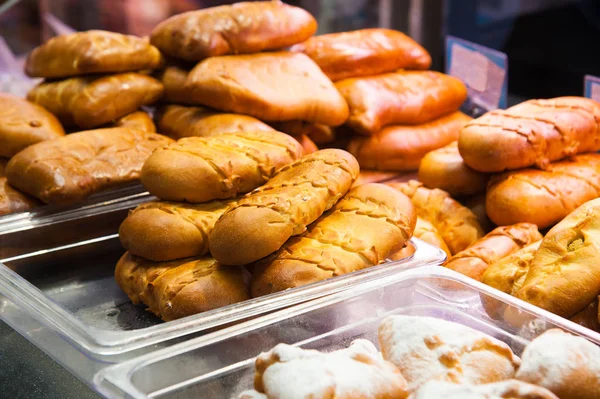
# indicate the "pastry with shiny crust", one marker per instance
pixel 401 148
pixel 136 120
pixel 262 221
pixel 400 98
pixel 364 52
pixel 370 223
pixel 498 243
pixel 90 102
pixel 242 28
pixel 533 133
pixel 200 169
pixel 23 123
pixel 180 288
pixel 457 225
pixel 93 51
pixel 278 86
pixel 71 168
pixel 509 389
pixel 12 200
pixel 320 134
pixel 173 79
pixel 161 230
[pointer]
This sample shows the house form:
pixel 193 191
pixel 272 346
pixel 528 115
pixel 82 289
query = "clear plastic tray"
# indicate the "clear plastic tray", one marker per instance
pixel 221 364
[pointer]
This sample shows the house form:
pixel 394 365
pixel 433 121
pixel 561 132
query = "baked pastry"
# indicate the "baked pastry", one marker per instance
pixel 370 223
pixel 317 132
pixel 23 123
pixel 374 176
pixel 544 197
pixel 245 27
pixel 71 168
pixel 426 348
pixel 94 51
pixel 589 317
pixel 457 225
pixel 306 143
pixel 500 242
pixel 200 169
pixel 565 364
pixel 427 232
pixel 294 197
pixel 287 372
pixel 12 200
pixel 277 86
pixel 535 132
pixel 401 148
pixel 90 102
pixel 162 230
pixel 509 389
pixel 180 288
pixel 445 169
pixel 400 98
pixel 136 120
pixel 173 79
pixel 476 203
pixel 364 52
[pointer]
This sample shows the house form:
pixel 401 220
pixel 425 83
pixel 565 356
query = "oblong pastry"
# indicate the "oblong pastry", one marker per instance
pixel 535 132
pixel 445 169
pixel 427 232
pixel 93 51
pixel 498 243
pixel 401 148
pixel 12 200
pixel 23 123
pixel 400 98
pixel 73 167
pixel 319 133
pixel 200 169
pixel 509 389
pixel 89 102
pixel 173 79
pixel 370 223
pixel 457 225
pixel 136 120
pixel 244 27
pixel 374 176
pixel 162 230
pixel 543 197
pixel 306 143
pixel 180 288
pixel 262 221
pixel 364 52
pixel 277 86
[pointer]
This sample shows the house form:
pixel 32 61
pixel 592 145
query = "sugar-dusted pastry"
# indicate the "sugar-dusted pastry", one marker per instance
pixel 509 389
pixel 136 120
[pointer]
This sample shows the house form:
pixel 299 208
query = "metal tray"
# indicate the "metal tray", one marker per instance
pixel 221 364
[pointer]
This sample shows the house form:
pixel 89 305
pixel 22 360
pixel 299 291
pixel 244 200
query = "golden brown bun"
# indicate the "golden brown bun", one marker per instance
pixel 370 223
pixel 306 143
pixel 261 222
pixel 476 204
pixel 588 317
pixel 318 133
pixel 445 169
pixel 401 148
pixel 173 79
pixel 535 132
pixel 364 52
pixel 400 98
pixel 564 276
pixel 278 86
pixel 23 123
pixel 136 120
pixel 457 225
pixel 245 27
pixel 508 389
pixel 200 169
pixel 374 176
pixel 544 197
pixel 93 101
pixel 180 288
pixel 94 51
pixel 161 230
pixel 71 168
pixel 12 200
pixel 178 121
pixel 427 232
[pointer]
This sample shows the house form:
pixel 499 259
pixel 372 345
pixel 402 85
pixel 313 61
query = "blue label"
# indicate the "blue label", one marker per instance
pixel 591 87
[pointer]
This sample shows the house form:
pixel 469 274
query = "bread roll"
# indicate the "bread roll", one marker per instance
pixel 71 168
pixel 544 197
pixel 457 225
pixel 363 229
pixel 173 79
pixel 94 51
pixel 162 230
pixel 400 98
pixel 318 133
pixel 401 148
pixel 136 120
pixel 200 169
pixel 23 123
pixel 509 389
pixel 306 143
pixel 245 27
pixel 427 232
pixel 500 242
pixel 12 200
pixel 445 169
pixel 364 52
pixel 89 102
pixel 535 132
pixel 180 288
pixel 567 365
pixel 277 86
pixel 261 222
